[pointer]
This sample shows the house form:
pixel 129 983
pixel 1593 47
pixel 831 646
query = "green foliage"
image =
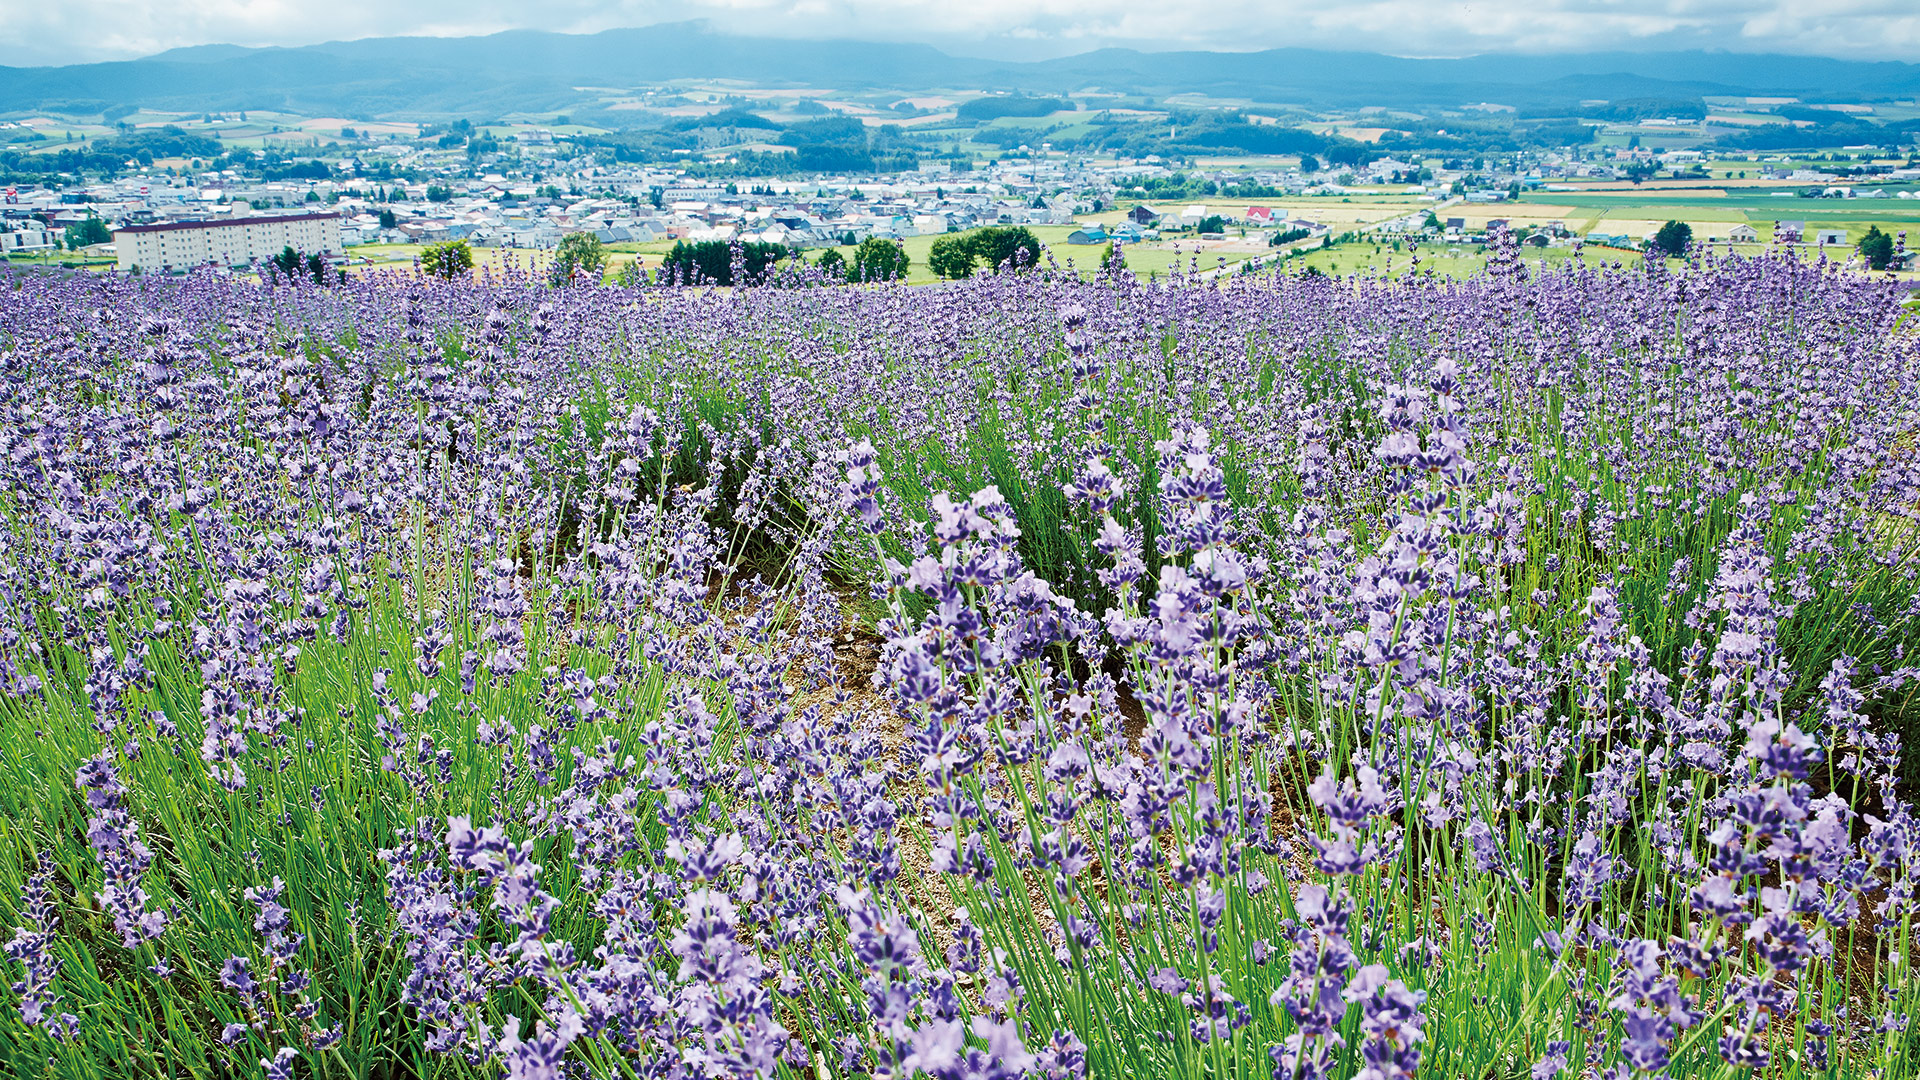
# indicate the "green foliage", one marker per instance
pixel 387 219
pixel 307 169
pixel 90 230
pixel 167 141
pixel 1003 105
pixel 109 156
pixel 1212 223
pixel 1008 246
pixel 439 193
pixel 958 255
pixel 952 256
pixel 1674 237
pixel 726 118
pixel 878 259
pixel 710 262
pixel 292 264
pixel 448 259
pixel 1877 249
pixel 832 262
pixel 579 255
pixel 1644 108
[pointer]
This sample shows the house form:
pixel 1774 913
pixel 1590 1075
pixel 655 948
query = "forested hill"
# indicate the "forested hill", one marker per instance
pixel 531 71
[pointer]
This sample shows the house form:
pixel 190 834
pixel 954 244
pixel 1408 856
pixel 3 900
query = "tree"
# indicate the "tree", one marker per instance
pixel 1212 223
pixel 710 262
pixel 448 259
pixel 952 256
pixel 1877 249
pixel 878 259
pixel 1673 237
pixel 439 193
pixel 293 264
pixel 1013 247
pixel 387 220
pixel 579 253
pixel 90 231
pixel 834 264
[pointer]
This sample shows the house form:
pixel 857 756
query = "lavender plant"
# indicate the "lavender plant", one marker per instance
pixel 1026 677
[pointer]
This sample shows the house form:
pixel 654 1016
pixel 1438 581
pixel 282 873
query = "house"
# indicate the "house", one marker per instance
pixel 1456 224
pixel 1790 231
pixel 1744 233
pixel 1260 214
pixel 1830 236
pixel 1091 235
pixel 1143 215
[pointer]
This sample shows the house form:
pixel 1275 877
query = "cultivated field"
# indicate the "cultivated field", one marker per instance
pixel 1260 675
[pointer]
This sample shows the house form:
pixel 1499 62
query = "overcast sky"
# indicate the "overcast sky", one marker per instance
pixel 68 31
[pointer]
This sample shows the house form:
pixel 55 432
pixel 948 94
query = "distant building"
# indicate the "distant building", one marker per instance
pixel 1830 236
pixel 1093 235
pixel 30 237
pixel 1143 215
pixel 1790 231
pixel 224 241
pixel 1743 234
pixel 693 193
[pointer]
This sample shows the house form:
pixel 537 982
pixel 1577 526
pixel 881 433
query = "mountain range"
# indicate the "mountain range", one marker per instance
pixel 536 71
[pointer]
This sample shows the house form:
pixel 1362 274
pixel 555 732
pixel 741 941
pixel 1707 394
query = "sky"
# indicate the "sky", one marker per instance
pixel 74 31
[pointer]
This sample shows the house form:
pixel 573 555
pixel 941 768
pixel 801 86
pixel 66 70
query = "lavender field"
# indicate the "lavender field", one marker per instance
pixel 1034 676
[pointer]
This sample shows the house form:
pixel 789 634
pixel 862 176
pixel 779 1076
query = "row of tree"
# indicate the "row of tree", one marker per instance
pixel 582 257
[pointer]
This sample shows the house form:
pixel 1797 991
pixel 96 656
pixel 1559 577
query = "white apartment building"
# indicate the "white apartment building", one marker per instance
pixel 224 241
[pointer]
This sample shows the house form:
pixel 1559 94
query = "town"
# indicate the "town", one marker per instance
pixel 364 198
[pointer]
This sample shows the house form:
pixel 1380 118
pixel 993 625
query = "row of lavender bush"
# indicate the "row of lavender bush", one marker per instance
pixel 1032 676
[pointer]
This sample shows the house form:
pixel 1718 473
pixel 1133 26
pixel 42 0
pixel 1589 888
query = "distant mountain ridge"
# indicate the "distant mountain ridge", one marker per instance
pixel 533 71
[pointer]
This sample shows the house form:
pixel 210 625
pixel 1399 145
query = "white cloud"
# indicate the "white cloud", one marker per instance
pixel 68 31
